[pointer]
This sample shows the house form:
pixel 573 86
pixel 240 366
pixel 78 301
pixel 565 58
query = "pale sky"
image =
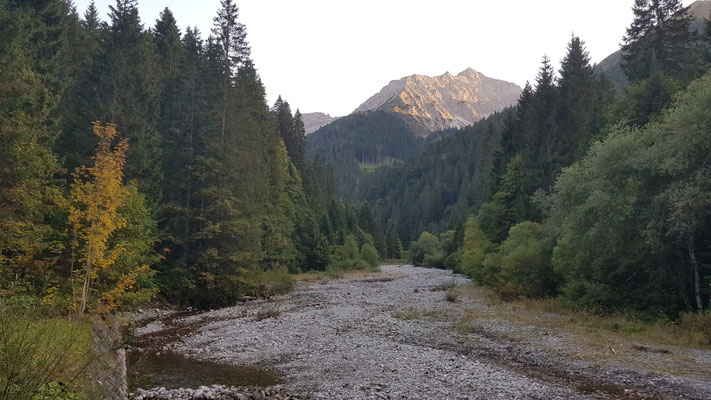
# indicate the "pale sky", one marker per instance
pixel 332 55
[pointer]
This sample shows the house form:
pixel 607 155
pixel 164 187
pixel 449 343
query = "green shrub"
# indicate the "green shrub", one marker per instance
pixel 435 260
pixel 525 258
pixel 349 250
pixel 474 251
pixel 272 282
pixel 369 255
pixel 452 262
pixel 427 244
pixel 350 265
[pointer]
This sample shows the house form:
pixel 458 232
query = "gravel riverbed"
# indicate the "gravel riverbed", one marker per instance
pixel 395 335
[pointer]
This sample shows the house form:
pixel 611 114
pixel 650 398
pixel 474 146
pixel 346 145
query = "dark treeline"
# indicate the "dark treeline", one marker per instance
pixel 436 190
pixel 578 192
pixel 363 141
pixel 188 184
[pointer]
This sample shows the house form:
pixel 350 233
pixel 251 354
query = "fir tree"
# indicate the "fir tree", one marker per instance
pixel 545 143
pixel 168 45
pixel 28 93
pixel 297 145
pixel 131 86
pixel 582 100
pixel 82 104
pixel 231 40
pixel 658 37
pixel 183 148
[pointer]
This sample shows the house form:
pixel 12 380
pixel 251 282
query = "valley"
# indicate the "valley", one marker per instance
pixel 173 226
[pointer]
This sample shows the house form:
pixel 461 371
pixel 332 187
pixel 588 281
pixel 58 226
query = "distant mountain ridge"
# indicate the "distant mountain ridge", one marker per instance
pixel 402 119
pixel 314 121
pixel 445 101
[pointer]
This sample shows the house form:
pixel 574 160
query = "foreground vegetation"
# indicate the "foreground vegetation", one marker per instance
pixel 45 358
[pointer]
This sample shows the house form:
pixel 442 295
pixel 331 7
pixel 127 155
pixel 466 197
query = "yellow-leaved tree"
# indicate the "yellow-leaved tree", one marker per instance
pixel 101 207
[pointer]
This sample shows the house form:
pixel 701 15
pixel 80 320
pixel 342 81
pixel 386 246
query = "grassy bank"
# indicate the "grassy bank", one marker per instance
pixel 691 330
pixel 46 358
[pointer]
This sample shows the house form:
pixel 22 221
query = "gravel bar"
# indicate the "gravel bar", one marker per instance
pixel 364 337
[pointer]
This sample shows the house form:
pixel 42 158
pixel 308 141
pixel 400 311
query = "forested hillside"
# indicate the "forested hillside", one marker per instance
pixel 399 121
pixel 436 190
pixel 362 140
pixel 576 191
pixel 144 161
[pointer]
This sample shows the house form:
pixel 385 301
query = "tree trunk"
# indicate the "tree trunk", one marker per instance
pixel 224 112
pixel 191 156
pixel 85 287
pixel 695 266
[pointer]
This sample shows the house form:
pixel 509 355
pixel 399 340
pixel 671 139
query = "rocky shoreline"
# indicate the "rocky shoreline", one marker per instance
pixel 213 392
pixel 397 335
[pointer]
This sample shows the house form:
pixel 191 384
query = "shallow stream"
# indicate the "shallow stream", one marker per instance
pixel 148 370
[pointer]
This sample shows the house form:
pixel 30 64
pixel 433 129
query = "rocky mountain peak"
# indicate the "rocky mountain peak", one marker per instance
pixel 444 101
pixel 314 121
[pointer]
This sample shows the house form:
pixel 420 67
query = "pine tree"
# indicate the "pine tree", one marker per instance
pixel 130 84
pixel 658 37
pixel 30 86
pixel 81 103
pixel 297 146
pixel 545 144
pixel 231 39
pixel 582 100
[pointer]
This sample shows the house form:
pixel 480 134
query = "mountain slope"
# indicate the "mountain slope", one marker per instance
pixel 360 140
pixel 444 101
pixel 437 189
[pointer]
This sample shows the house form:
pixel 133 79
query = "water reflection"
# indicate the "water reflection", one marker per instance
pixel 173 371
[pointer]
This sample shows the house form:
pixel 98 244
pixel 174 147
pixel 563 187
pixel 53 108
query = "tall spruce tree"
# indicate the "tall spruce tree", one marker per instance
pixel 30 86
pixel 184 147
pixel 169 48
pixel 583 97
pixel 130 85
pixel 231 36
pixel 81 104
pixel 658 38
pixel 298 142
pixel 544 144
pixel 245 218
pixel 292 131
